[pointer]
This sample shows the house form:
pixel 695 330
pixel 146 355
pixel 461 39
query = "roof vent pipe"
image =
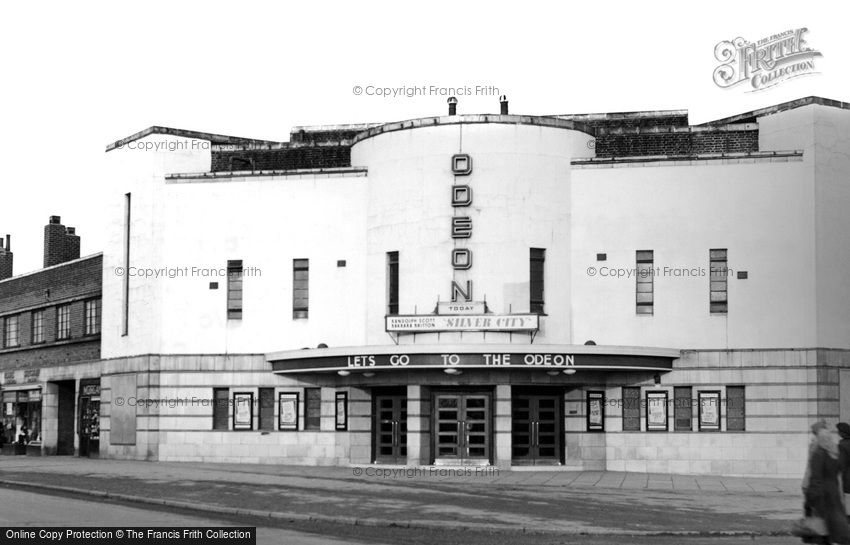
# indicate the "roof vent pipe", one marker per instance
pixel 452 105
pixel 503 103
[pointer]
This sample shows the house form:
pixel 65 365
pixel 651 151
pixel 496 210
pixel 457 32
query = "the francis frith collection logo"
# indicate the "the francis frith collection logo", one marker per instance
pixel 765 63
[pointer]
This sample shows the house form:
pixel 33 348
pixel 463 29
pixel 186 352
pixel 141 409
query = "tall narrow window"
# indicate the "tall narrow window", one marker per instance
pixel 312 408
pixel 221 408
pixel 125 311
pixel 735 408
pixel 392 283
pixel 718 270
pixel 300 287
pixel 234 289
pixel 644 274
pixel 63 322
pixel 93 317
pixel 631 409
pixel 682 408
pixel 537 261
pixel 10 334
pixel 37 326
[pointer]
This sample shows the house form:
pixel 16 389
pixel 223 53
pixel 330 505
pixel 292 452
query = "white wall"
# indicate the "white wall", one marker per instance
pixel 763 213
pixel 521 199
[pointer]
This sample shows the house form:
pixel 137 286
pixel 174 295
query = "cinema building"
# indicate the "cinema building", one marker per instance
pixel 620 291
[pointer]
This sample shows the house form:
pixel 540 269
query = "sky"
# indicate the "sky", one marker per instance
pixel 78 76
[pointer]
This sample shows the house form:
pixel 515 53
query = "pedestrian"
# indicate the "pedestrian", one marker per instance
pixel 844 460
pixel 823 495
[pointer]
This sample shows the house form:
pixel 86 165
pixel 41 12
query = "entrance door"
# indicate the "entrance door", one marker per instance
pixel 536 429
pixel 390 429
pixel 462 429
pixel 90 426
pixel 65 417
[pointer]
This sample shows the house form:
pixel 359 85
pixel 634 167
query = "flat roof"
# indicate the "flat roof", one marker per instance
pixel 776 108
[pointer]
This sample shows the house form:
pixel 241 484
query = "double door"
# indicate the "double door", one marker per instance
pixel 536 429
pixel 462 428
pixel 390 429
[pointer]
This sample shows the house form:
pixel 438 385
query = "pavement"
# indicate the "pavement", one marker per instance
pixel 543 502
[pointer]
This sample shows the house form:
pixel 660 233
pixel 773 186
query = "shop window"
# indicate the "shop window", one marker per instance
pixel 234 289
pixel 10 332
pixel 221 404
pixel 300 288
pixel 63 322
pixel 37 326
pixel 735 408
pixel 718 295
pixel 392 283
pixel 645 295
pixel 312 408
pixel 22 417
pixel 537 262
pixel 266 409
pixel 682 408
pixel 631 409
pixel 93 312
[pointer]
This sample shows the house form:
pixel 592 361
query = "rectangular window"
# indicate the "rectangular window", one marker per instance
pixel 10 333
pixel 341 411
pixel 595 411
pixel 682 408
pixel 644 270
pixel 312 408
pixel 234 289
pixel 631 409
pixel 718 296
pixel 221 404
pixel 735 408
pixel 63 322
pixel 392 283
pixel 266 409
pixel 537 261
pixel 300 287
pixel 125 311
pixel 93 317
pixel 37 326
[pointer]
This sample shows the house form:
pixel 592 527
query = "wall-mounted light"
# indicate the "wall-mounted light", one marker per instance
pixel 369 374
pixel 569 371
pixel 343 372
pixel 452 371
pixel 553 373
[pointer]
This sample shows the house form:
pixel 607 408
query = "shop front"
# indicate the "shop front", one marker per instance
pixel 22 412
pixel 89 418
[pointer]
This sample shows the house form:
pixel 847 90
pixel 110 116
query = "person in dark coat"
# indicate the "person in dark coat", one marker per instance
pixel 823 493
pixel 844 458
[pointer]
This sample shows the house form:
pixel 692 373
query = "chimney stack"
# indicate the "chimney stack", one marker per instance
pixel 503 103
pixel 61 244
pixel 452 105
pixel 6 258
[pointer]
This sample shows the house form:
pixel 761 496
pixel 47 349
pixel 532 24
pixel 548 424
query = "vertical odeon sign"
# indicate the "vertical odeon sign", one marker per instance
pixel 461 225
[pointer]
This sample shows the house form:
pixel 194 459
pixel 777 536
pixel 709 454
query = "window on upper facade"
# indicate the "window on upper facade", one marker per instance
pixel 392 283
pixel 644 275
pixel 718 296
pixel 537 260
pixel 10 332
pixel 300 288
pixel 93 312
pixel 63 322
pixel 234 289
pixel 37 326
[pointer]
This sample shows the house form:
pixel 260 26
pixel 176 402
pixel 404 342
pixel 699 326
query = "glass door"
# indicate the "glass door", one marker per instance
pixel 390 429
pixel 536 429
pixel 462 429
